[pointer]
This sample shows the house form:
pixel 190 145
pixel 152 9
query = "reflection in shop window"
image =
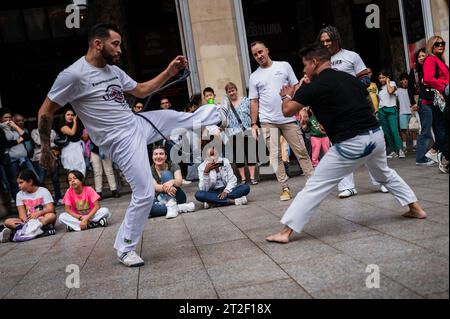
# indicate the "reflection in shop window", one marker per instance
pixel 36 24
pixel 11 25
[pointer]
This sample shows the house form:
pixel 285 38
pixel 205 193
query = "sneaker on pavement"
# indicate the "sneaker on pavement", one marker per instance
pixel 241 201
pixel 186 208
pixel 186 182
pixel 401 154
pixel 392 155
pixel 432 156
pixel 348 193
pixel 69 229
pixel 285 195
pixel 443 163
pixel 172 209
pixel 130 259
pixel 429 163
pixel 5 234
pixel 383 189
pixel 206 206
pixel 103 222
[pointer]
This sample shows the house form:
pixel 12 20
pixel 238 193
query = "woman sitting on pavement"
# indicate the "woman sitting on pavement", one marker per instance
pixel 170 199
pixel 218 184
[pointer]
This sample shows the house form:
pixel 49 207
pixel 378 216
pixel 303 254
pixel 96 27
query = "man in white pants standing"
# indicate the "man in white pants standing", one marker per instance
pixel 349 62
pixel 340 103
pixel 95 88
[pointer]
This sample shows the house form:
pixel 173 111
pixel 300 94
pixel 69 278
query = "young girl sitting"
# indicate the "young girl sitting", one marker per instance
pixel 33 202
pixel 82 206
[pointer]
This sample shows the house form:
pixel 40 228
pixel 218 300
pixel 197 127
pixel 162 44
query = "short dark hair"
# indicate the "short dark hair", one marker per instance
pixel 101 31
pixel 28 175
pixel 385 73
pixel 159 147
pixel 317 51
pixel 77 174
pixel 208 89
pixel 404 76
pixel 258 42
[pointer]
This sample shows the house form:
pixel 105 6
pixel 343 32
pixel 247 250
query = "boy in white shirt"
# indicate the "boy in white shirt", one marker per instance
pixel 405 111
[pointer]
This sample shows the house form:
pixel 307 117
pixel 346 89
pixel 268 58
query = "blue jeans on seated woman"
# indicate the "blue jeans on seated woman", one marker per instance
pixel 212 197
pixel 159 205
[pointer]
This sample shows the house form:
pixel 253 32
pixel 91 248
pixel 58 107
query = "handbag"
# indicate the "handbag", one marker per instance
pixel 414 124
pixel 61 141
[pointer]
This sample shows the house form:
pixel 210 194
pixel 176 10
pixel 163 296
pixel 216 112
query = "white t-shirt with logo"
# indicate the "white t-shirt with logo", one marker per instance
pixel 97 96
pixel 403 99
pixel 265 85
pixel 347 61
pixel 41 197
pixel 386 99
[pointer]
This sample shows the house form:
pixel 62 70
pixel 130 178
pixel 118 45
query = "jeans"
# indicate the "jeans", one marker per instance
pixel 212 196
pixel 439 129
pixel 42 172
pixel 159 205
pixel 425 136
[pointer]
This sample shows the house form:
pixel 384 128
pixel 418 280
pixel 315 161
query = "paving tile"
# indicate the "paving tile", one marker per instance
pixel 113 288
pixel 221 253
pixel 243 272
pixel 439 245
pixel 327 273
pixel 280 289
pixel 188 289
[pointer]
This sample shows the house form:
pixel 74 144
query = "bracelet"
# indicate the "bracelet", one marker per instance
pixel 287 96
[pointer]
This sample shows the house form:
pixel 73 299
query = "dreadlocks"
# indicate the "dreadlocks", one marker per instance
pixel 333 33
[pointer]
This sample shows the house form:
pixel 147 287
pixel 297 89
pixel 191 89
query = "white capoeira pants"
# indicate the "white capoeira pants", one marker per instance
pixel 72 222
pixel 131 155
pixel 348 182
pixel 333 167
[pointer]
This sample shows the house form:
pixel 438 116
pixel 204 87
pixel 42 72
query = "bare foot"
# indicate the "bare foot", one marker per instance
pixel 415 211
pixel 282 237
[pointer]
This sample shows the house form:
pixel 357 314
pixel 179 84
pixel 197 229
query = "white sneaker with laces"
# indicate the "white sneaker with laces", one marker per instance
pixel 5 234
pixel 348 193
pixel 130 259
pixel 392 155
pixel 186 208
pixel 432 156
pixel 241 201
pixel 401 154
pixel 383 189
pixel 172 209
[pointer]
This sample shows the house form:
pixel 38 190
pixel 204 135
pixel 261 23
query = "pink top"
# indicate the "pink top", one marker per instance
pixel 81 204
pixel 429 73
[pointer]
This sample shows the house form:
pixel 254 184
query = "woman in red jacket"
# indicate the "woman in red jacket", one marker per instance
pixel 436 75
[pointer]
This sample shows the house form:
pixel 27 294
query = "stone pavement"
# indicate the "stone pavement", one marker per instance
pixel 221 253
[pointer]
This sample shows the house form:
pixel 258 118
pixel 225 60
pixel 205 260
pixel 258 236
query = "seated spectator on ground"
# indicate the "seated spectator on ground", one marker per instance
pixel 218 184
pixel 82 206
pixel 33 203
pixel 170 199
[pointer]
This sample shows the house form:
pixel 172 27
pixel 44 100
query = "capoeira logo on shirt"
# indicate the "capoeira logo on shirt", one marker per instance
pixel 114 93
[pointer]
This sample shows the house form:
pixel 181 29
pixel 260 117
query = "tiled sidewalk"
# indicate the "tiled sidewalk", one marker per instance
pixel 221 253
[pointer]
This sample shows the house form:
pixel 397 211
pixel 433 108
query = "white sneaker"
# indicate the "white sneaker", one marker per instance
pixel 206 206
pixel 241 201
pixel 185 182
pixel 432 156
pixel 172 209
pixel 186 208
pixel 383 189
pixel 5 234
pixel 348 193
pixel 401 154
pixel 392 155
pixel 130 259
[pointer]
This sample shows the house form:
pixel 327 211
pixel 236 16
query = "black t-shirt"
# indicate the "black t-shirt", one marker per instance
pixel 339 102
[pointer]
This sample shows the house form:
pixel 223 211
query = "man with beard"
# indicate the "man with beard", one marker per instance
pixel 349 62
pixel 340 103
pixel 95 87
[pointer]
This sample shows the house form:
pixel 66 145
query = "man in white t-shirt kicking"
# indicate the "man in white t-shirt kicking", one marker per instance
pixel 265 85
pixel 95 88
pixel 349 62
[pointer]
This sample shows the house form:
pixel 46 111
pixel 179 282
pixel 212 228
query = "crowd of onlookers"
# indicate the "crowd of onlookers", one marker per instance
pixel 412 112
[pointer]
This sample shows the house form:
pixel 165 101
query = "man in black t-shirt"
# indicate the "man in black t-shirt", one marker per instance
pixel 340 104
